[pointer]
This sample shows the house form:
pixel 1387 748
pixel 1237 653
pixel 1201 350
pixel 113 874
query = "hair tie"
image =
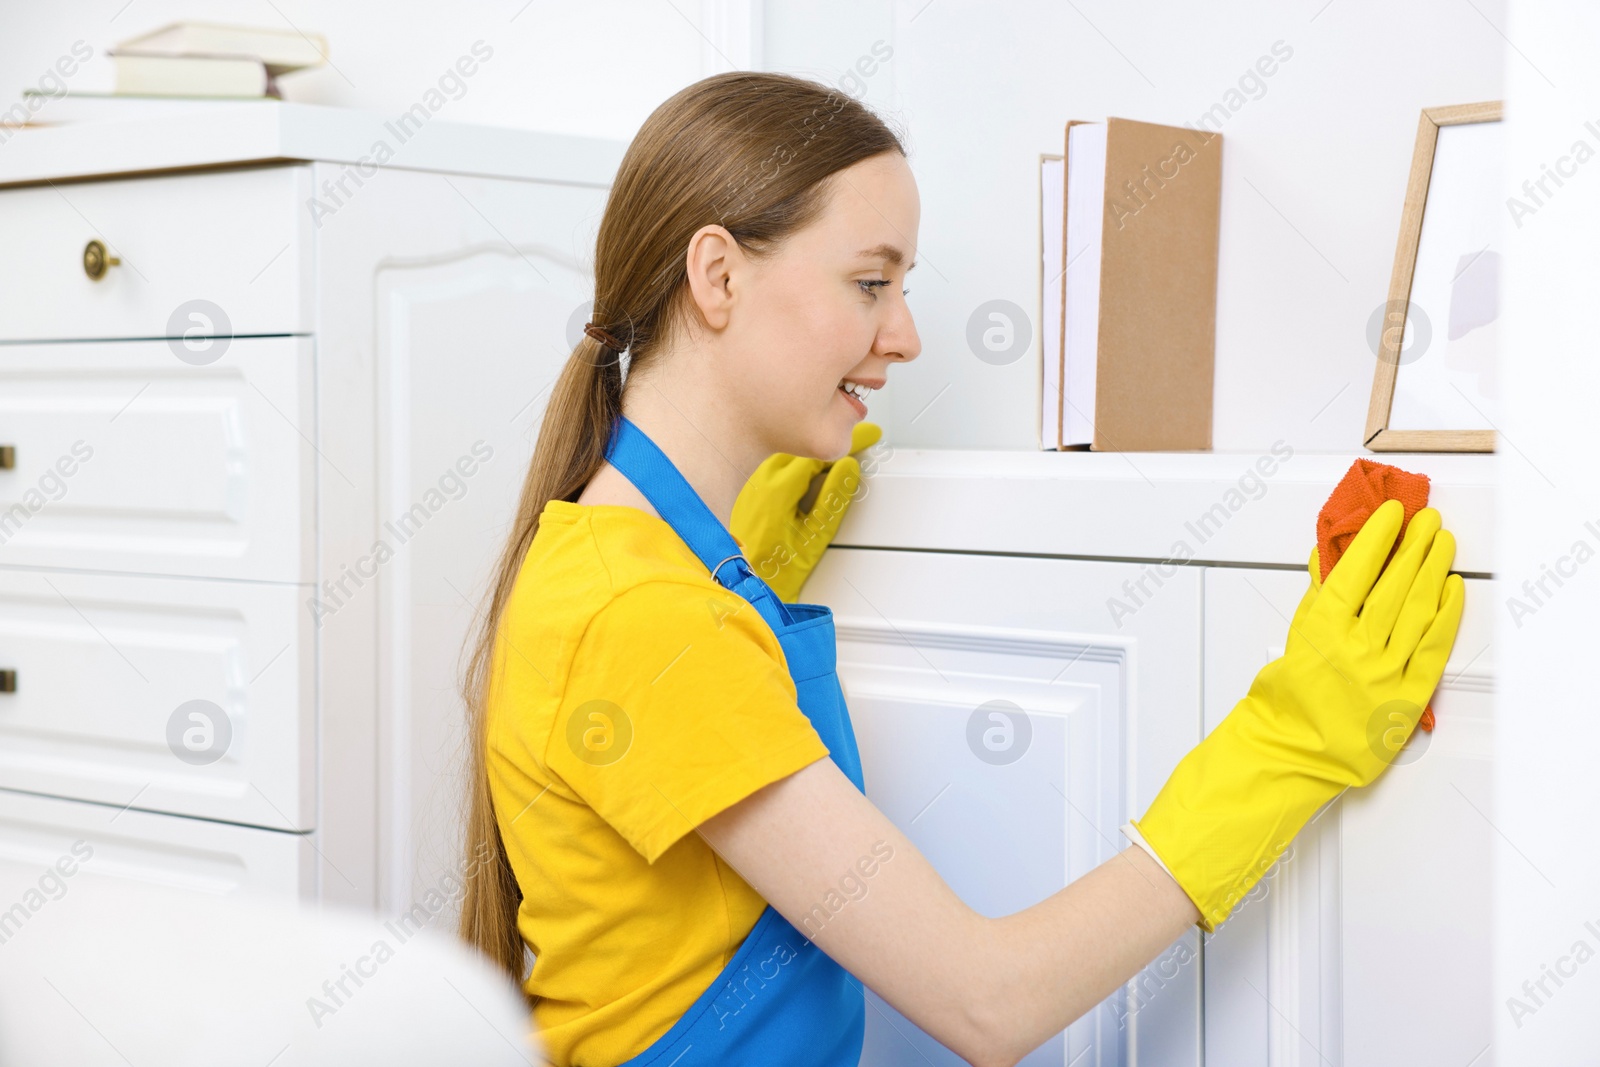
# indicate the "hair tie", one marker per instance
pixel 605 338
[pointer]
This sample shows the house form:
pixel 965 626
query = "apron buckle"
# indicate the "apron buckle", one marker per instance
pixel 715 570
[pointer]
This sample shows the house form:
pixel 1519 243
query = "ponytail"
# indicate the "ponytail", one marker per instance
pixel 586 400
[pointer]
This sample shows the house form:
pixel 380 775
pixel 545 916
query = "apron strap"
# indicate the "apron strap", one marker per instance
pixel 642 462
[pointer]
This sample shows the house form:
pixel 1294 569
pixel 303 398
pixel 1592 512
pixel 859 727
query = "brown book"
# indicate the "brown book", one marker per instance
pixel 1139 292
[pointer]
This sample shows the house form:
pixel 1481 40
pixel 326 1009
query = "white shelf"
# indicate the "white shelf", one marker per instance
pixel 1140 505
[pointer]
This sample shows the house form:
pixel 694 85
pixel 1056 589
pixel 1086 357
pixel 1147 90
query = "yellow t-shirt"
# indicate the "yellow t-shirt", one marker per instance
pixel 632 698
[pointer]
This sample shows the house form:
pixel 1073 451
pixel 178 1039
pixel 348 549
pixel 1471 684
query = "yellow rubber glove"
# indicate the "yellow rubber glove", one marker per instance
pixel 1358 658
pixel 1428 720
pixel 781 542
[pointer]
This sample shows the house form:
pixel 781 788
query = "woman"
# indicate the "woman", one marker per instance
pixel 664 766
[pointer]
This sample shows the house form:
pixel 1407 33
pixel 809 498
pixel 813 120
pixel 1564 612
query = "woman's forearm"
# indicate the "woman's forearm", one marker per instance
pixel 1049 964
pixel 991 990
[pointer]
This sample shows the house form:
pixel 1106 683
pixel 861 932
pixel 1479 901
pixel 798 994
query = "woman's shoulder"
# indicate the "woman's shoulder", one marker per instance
pixel 615 599
pixel 610 546
pixel 608 587
pixel 589 560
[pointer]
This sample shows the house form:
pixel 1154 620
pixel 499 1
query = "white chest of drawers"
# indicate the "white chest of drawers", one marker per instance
pixel 217 676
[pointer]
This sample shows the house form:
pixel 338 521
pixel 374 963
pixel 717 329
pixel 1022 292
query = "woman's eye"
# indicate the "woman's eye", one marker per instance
pixel 869 285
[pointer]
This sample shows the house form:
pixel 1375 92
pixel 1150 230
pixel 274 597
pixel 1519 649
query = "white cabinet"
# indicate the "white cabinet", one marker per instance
pixel 1369 943
pixel 253 476
pixel 1009 726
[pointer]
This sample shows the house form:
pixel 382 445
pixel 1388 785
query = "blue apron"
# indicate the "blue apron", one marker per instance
pixel 780 1001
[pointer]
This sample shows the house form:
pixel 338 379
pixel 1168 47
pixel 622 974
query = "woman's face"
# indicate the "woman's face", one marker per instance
pixel 828 306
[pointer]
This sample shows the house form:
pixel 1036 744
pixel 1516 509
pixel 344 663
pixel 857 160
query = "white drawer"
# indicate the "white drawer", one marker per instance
pixel 128 459
pixel 107 668
pixel 238 240
pixel 40 834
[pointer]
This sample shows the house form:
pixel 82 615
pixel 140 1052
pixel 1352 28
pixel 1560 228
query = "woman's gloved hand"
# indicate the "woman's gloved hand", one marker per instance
pixel 781 541
pixel 1358 658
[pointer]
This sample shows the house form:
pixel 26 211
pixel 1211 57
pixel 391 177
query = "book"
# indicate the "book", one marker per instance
pixel 208 76
pixel 280 51
pixel 1081 286
pixel 1052 235
pixel 1138 288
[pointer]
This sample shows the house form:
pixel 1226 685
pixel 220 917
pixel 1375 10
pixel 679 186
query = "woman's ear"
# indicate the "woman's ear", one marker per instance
pixel 710 262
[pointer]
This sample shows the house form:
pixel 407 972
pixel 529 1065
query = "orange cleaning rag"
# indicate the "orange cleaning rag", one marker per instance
pixel 1364 486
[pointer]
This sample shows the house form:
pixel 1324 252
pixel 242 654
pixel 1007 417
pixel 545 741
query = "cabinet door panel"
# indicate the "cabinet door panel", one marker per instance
pixel 455 301
pixel 1009 727
pixel 439 435
pixel 1367 943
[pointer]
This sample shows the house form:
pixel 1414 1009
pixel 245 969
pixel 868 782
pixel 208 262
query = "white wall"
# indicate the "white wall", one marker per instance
pixel 597 67
pixel 1315 158
pixel 1547 791
pixel 1315 163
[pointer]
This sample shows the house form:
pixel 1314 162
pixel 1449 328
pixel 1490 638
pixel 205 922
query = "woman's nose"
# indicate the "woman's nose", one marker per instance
pixel 901 342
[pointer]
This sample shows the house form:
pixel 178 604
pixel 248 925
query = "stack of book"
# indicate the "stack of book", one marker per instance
pixel 1128 234
pixel 188 62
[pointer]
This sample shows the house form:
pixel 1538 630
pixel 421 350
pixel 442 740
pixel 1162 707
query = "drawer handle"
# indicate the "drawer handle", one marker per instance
pixel 8 681
pixel 8 457
pixel 96 261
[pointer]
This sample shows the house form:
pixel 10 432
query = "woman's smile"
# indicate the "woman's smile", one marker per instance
pixel 855 393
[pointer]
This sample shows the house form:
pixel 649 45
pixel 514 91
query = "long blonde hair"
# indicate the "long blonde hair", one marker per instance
pixel 748 150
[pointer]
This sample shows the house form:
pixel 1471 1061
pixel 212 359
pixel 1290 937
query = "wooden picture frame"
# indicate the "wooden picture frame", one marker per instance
pixel 1396 313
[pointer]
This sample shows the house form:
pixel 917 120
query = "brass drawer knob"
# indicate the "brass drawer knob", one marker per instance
pixel 8 457
pixel 95 260
pixel 8 681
